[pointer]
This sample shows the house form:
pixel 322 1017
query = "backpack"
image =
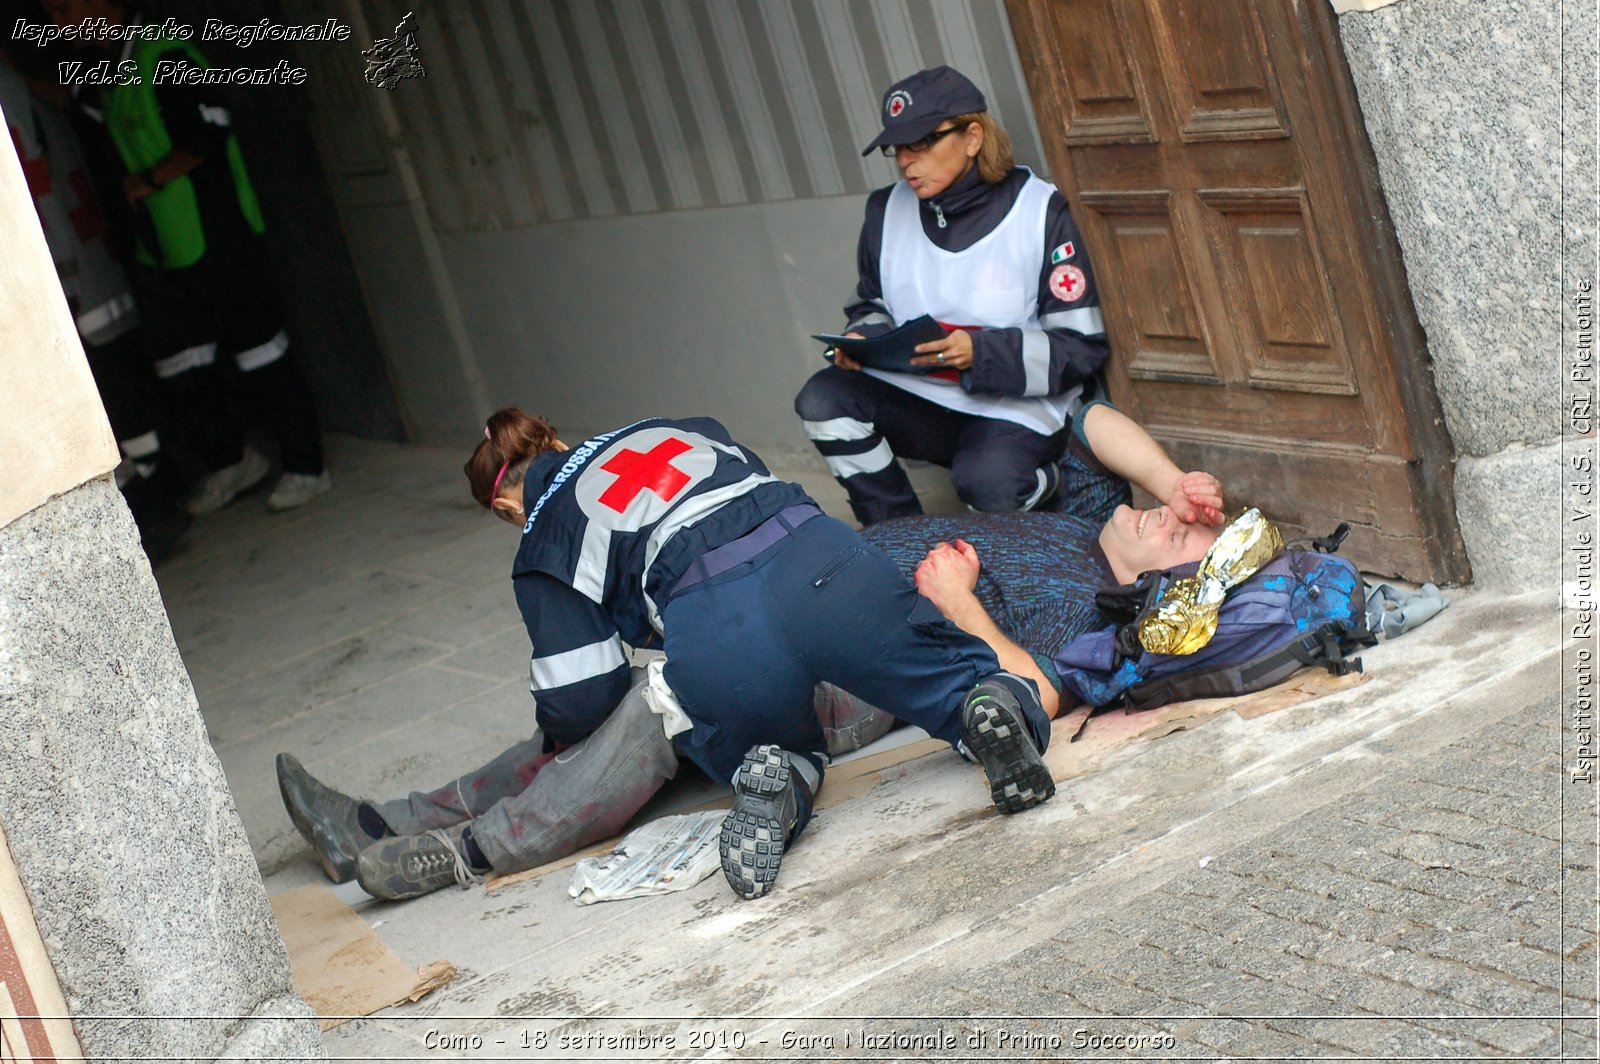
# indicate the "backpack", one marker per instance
pixel 1304 607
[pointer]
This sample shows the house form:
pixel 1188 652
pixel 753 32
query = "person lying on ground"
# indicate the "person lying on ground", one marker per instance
pixel 1026 583
pixel 1037 588
pixel 667 532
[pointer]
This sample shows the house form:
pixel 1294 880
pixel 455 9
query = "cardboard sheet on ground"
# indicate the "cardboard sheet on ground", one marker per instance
pixel 339 966
pixel 1066 759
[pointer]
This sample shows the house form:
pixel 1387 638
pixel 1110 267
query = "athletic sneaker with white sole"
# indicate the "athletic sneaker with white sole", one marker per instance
pixel 220 487
pixel 996 732
pixel 297 489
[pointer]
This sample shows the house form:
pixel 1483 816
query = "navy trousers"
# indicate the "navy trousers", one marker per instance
pixel 863 426
pixel 746 648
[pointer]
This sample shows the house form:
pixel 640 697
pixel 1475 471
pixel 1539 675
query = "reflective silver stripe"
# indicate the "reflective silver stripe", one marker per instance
pixel 1035 362
pixel 848 465
pixel 1042 482
pixel 1084 320
pixel 187 359
pixel 266 353
pixel 870 319
pixel 571 666
pixel 92 321
pixel 141 446
pixel 839 428
pixel 589 576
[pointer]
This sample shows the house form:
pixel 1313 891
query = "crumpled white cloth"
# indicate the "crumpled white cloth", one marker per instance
pixel 662 702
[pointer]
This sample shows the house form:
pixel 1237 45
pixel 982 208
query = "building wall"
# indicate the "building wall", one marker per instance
pixel 617 207
pixel 1463 102
pixel 637 205
pixel 577 109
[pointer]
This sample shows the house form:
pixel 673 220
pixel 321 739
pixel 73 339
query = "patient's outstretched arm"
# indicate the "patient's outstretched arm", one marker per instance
pixel 1125 448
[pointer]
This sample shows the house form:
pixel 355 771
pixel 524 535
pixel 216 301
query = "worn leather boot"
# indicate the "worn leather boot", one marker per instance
pixel 409 866
pixel 327 819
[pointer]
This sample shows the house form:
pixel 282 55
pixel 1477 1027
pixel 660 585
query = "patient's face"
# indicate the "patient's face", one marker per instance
pixel 1138 540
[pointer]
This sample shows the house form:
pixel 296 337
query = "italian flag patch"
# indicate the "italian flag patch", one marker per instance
pixel 1063 253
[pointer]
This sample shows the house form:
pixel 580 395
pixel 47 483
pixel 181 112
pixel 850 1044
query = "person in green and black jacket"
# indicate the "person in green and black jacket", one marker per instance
pixel 202 277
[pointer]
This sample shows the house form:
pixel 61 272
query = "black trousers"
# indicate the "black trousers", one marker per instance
pixel 225 307
pixel 863 426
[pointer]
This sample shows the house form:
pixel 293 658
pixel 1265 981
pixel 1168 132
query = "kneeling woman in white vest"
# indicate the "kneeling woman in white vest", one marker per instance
pixel 990 252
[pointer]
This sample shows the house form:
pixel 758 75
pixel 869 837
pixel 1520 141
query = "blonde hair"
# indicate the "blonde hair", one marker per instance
pixel 994 158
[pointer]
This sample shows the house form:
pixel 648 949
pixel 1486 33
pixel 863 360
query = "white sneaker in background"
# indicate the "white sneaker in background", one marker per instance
pixel 221 487
pixel 297 489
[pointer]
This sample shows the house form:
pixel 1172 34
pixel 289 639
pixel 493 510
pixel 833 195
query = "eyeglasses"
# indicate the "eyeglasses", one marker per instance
pixel 891 150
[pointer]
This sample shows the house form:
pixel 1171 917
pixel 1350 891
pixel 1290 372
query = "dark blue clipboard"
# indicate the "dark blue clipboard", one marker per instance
pixel 893 350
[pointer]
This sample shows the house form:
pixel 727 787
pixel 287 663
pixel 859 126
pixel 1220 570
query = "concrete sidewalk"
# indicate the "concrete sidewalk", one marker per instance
pixel 1398 870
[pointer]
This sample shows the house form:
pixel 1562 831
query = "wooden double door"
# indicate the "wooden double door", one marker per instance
pixel 1213 155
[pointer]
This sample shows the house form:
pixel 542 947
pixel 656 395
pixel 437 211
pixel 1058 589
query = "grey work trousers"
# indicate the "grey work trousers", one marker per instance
pixel 529 808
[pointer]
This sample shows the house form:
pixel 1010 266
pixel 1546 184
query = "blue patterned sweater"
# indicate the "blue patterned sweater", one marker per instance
pixel 1039 572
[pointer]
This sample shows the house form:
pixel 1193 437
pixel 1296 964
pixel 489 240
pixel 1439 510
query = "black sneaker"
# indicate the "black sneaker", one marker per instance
pixel 1049 488
pixel 755 831
pixel 995 731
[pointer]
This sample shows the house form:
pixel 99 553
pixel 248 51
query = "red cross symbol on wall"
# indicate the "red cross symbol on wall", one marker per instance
pixel 637 472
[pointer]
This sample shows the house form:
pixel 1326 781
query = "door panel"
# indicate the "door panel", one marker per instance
pixel 1213 157
pixel 1217 93
pixel 1168 343
pixel 1273 277
pixel 1105 102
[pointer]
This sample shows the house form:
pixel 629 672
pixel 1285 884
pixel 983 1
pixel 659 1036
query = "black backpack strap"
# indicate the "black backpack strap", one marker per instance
pixel 1325 647
pixel 1124 606
pixel 1126 602
pixel 1332 541
pixel 1094 711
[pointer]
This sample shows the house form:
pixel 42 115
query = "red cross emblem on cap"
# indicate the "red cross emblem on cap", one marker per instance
pixel 651 470
pixel 899 100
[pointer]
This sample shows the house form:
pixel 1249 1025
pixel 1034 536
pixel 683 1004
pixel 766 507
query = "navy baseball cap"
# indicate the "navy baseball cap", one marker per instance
pixel 913 107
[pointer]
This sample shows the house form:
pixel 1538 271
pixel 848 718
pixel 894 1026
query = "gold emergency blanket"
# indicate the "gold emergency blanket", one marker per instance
pixel 1186 617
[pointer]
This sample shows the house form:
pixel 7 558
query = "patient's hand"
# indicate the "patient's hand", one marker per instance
pixel 948 576
pixel 1197 499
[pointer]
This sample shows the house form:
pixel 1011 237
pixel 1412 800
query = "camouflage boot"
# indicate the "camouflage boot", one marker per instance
pixel 409 866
